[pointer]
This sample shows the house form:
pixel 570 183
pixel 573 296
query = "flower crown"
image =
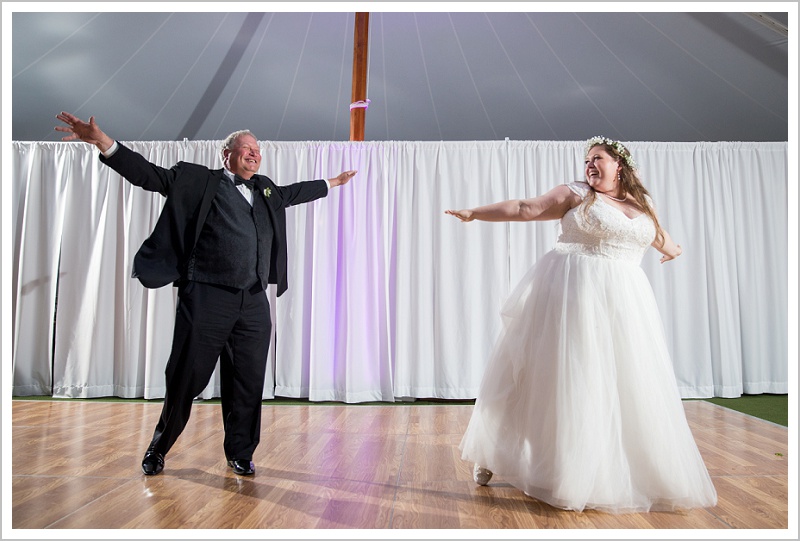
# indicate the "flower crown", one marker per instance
pixel 616 145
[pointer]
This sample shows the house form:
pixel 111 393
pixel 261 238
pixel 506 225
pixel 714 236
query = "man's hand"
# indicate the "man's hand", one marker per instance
pixel 88 132
pixel 342 178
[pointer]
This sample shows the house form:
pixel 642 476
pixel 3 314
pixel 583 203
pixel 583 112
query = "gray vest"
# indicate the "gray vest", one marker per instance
pixel 234 245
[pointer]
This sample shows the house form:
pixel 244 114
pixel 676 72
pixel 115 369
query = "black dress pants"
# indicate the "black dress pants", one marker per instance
pixel 226 324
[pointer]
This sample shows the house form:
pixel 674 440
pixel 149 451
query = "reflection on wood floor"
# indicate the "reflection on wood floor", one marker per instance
pixel 76 465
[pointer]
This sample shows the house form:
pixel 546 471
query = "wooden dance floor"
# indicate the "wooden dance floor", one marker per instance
pixel 76 465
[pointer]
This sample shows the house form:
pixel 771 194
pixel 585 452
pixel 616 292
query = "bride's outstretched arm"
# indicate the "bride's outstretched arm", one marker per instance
pixel 669 248
pixel 549 206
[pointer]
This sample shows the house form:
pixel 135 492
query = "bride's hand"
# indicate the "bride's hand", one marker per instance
pixel 670 257
pixel 463 215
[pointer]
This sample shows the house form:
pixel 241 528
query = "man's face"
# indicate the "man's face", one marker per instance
pixel 244 158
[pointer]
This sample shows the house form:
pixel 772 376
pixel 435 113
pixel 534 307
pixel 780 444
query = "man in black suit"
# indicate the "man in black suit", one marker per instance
pixel 220 238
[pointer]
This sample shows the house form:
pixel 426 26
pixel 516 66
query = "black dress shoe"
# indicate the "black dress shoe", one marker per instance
pixel 242 466
pixel 152 463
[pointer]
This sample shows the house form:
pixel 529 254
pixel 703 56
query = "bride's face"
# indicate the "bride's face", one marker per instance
pixel 601 169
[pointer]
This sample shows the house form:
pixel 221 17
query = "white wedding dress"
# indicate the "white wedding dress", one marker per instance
pixel 579 405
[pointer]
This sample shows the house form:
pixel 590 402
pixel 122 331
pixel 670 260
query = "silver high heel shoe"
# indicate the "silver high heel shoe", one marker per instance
pixel 481 475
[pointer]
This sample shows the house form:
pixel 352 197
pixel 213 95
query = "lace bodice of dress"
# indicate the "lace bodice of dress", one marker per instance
pixel 604 230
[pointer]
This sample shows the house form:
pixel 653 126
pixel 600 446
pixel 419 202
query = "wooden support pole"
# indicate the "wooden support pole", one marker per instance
pixel 359 93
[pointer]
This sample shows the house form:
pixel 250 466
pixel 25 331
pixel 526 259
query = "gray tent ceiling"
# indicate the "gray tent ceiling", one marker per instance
pixel 651 76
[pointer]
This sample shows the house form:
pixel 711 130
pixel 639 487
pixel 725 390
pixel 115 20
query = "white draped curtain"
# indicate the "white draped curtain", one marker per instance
pixel 388 297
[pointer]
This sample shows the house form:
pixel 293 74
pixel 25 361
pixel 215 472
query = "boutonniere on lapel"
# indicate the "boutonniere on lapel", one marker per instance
pixel 267 192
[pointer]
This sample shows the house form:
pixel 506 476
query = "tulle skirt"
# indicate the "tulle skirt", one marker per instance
pixel 579 405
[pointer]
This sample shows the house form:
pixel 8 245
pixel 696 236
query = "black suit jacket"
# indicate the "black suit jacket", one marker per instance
pixel 189 189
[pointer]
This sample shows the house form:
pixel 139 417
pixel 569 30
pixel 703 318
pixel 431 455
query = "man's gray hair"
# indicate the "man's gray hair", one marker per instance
pixel 230 141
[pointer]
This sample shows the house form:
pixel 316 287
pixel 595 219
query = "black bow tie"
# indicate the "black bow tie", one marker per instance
pixel 246 181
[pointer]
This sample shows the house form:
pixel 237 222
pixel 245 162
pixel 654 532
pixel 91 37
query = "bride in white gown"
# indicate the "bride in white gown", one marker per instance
pixel 579 406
